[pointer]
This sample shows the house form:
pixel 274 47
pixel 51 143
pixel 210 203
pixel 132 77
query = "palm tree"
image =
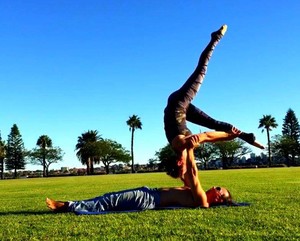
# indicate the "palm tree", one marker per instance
pixel 44 142
pixel 84 149
pixel 134 123
pixel 268 122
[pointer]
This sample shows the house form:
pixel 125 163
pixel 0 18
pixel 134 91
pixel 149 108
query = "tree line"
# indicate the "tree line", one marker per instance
pixel 282 149
pixel 92 149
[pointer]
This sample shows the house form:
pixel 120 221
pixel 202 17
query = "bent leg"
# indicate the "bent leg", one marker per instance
pixel 199 117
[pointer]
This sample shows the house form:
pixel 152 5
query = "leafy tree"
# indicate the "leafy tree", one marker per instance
pixel 134 123
pixel 291 129
pixel 229 150
pixel 15 154
pixel 268 122
pixel 85 148
pixel 2 157
pixel 164 157
pixel 108 151
pixel 152 163
pixel 46 154
pixel 205 152
pixel 284 146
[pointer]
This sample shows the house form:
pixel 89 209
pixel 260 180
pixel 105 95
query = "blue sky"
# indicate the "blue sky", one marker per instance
pixel 72 66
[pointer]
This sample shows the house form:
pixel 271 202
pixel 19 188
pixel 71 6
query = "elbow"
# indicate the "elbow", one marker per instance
pixel 200 203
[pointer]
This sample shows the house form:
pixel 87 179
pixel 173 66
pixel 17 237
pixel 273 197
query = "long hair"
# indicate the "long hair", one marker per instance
pixel 168 161
pixel 171 167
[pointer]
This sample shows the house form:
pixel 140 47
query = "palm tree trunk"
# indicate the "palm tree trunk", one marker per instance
pixel 88 167
pixel 269 148
pixel 44 158
pixel 44 166
pixel 92 166
pixel 132 156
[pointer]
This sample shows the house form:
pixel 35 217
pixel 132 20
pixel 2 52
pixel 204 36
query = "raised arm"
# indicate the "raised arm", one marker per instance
pixel 192 179
pixel 186 145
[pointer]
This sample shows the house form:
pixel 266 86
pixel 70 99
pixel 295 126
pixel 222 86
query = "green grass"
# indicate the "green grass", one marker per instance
pixel 273 215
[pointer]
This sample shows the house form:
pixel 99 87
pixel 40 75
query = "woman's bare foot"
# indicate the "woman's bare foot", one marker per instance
pixel 57 206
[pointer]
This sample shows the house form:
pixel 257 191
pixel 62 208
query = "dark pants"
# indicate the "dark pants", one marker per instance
pixel 179 108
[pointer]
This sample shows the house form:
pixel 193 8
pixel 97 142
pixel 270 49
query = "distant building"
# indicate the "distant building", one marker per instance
pixel 64 169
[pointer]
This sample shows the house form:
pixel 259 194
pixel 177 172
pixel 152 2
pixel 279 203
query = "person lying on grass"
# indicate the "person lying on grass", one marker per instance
pixel 142 198
pixel 190 195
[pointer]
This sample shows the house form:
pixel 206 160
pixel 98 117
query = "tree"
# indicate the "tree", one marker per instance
pixel 109 151
pixel 165 157
pixel 15 155
pixel 284 146
pixel 134 123
pixel 2 157
pixel 291 125
pixel 85 148
pixel 205 152
pixel 291 129
pixel 152 163
pixel 268 122
pixel 229 150
pixel 46 154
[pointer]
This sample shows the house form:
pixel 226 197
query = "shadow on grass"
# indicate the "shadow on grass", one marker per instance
pixel 25 213
pixel 29 212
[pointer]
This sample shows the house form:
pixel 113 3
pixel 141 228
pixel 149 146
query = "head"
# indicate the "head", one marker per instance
pixel 175 166
pixel 218 196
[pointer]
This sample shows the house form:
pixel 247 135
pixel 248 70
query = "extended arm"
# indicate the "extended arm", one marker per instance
pixel 182 142
pixel 213 136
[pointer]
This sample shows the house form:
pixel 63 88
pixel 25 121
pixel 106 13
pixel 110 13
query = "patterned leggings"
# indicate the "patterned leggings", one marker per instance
pixel 142 198
pixel 179 108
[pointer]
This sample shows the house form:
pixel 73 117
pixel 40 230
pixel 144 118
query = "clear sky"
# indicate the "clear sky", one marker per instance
pixel 67 67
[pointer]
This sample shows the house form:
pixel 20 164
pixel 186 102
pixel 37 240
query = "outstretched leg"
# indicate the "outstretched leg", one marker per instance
pixel 179 101
pixel 132 199
pixel 190 88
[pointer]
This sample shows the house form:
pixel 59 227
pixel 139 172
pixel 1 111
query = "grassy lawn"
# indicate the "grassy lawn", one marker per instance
pixel 274 195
